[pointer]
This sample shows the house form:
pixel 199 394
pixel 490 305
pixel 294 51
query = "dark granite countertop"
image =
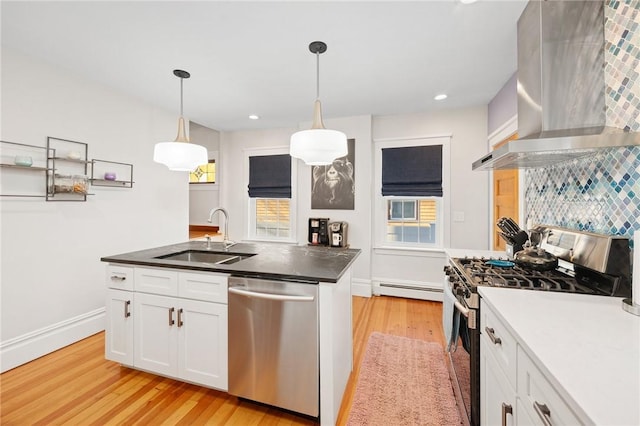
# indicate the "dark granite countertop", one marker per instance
pixel 271 261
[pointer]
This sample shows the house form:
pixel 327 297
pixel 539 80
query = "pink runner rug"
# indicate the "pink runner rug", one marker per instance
pixel 403 382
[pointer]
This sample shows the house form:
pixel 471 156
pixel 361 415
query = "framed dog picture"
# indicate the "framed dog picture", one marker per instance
pixel 333 186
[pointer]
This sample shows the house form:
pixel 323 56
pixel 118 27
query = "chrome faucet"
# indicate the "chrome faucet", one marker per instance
pixel 227 243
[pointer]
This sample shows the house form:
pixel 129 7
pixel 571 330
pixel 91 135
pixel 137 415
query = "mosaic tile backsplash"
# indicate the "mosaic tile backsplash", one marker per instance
pixel 622 58
pixel 600 193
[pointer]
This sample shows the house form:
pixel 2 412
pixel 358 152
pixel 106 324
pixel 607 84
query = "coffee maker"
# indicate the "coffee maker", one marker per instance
pixel 338 234
pixel 319 231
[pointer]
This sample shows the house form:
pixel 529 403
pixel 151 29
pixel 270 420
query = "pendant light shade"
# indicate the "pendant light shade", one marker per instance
pixel 180 155
pixel 318 146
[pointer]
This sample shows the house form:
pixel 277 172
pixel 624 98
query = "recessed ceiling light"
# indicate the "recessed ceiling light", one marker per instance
pixel 254 117
pixel 468 1
pixel 440 97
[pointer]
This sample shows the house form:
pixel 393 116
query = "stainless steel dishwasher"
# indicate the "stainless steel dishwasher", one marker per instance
pixel 273 343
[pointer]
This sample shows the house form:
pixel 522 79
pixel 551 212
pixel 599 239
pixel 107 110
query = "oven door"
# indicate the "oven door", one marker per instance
pixel 461 361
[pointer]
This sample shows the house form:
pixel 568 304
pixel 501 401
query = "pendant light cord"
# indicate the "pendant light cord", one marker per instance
pixel 181 79
pixel 317 75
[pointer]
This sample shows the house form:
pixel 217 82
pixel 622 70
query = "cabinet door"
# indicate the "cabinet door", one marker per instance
pixel 119 328
pixel 523 416
pixel 497 397
pixel 156 281
pixel 202 355
pixel 543 403
pixel 156 334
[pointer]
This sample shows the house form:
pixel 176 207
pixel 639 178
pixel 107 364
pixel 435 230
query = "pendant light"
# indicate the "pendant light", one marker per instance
pixel 180 155
pixel 318 146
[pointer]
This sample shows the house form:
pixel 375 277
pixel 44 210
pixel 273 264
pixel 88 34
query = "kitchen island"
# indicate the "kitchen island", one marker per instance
pixel 272 261
pixel 167 308
pixel 570 357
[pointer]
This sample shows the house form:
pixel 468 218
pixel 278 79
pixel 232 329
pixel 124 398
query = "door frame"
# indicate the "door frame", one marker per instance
pixel 500 134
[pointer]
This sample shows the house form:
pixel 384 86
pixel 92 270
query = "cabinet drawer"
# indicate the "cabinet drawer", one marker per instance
pixel 542 402
pixel 203 286
pixel 120 277
pixel 501 343
pixel 156 281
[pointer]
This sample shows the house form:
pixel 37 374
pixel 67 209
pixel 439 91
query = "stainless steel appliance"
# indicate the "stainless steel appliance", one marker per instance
pixel 273 343
pixel 587 264
pixel 318 231
pixel 338 234
pixel 556 39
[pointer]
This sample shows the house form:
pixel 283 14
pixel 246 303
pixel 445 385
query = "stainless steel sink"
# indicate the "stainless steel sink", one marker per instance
pixel 215 257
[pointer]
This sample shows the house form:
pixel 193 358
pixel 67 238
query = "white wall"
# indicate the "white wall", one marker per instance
pixel 468 194
pixel 204 197
pixel 234 191
pixel 469 190
pixel 53 283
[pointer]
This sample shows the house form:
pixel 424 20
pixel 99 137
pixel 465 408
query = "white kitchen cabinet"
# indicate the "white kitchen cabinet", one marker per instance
pixel 202 343
pixel 513 390
pixel 540 399
pixel 497 396
pixel 175 323
pixel 120 277
pixel 156 281
pixel 155 334
pixel 497 372
pixel 185 339
pixel 119 327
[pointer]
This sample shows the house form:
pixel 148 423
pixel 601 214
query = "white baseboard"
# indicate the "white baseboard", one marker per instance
pixel 409 289
pixel 361 287
pixel 26 348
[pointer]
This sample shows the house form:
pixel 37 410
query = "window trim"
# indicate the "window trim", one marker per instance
pixel 380 202
pixel 249 205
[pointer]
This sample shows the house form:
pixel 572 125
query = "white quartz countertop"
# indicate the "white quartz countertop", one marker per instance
pixel 587 346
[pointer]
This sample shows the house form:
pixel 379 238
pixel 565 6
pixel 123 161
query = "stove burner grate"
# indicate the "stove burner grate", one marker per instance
pixel 481 273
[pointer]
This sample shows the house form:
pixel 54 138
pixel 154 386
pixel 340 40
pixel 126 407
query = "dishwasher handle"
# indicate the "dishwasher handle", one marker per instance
pixel 270 296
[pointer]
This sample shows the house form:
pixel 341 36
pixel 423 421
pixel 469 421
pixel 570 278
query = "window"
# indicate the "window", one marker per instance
pixel 272 217
pixel 407 224
pixel 270 195
pixel 411 197
pixel 205 173
pixel 402 210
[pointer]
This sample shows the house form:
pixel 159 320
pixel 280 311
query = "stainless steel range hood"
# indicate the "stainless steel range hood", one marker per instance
pixel 562 108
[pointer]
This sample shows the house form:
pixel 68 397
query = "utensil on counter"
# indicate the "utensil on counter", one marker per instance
pixel 536 258
pixel 500 263
pixel 512 234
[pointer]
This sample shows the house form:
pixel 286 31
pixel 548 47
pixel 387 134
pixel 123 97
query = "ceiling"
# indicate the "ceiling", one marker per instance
pixel 383 58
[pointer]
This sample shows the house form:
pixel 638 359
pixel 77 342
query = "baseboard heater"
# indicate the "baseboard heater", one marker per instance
pixel 410 291
pixel 412 287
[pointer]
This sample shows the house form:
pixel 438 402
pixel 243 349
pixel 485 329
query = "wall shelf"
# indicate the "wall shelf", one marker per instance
pixel 21 178
pixel 67 177
pixel 58 170
pixel 101 168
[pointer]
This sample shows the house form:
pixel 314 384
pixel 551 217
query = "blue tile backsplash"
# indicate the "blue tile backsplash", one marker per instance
pixel 600 193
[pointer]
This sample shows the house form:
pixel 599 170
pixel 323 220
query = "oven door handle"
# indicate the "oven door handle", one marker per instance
pixel 460 307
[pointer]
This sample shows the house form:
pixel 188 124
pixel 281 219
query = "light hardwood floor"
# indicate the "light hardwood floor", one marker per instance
pixel 76 385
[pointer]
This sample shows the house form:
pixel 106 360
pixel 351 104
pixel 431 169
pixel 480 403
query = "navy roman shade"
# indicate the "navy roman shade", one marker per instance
pixel 270 176
pixel 412 171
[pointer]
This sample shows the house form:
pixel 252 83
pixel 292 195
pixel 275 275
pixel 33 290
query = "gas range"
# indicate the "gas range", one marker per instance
pixel 587 264
pixel 501 272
